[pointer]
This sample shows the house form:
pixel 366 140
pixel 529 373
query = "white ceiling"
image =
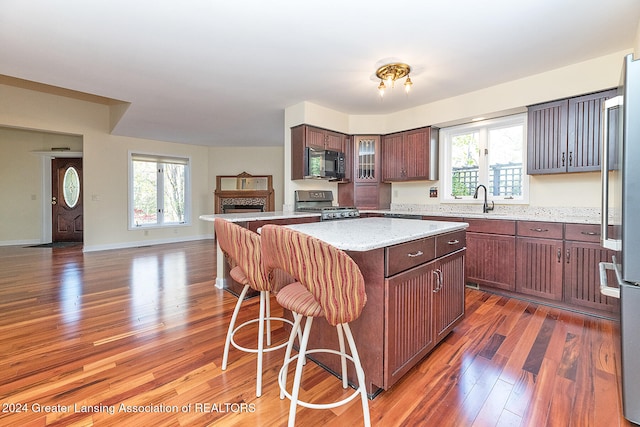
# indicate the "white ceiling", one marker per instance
pixel 222 72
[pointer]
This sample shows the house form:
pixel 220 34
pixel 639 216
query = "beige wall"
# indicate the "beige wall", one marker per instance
pixel 253 160
pixel 21 181
pixel 35 121
pixel 105 160
pixel 105 155
pixel 581 190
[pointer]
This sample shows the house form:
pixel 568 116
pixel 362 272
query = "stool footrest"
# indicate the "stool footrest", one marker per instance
pixel 329 405
pixel 266 349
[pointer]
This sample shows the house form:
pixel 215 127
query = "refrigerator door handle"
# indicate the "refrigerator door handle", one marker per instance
pixel 606 241
pixel 605 289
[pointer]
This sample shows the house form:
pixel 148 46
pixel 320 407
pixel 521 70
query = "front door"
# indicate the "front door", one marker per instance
pixel 66 199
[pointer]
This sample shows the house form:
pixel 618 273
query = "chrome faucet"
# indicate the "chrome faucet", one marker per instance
pixel 485 205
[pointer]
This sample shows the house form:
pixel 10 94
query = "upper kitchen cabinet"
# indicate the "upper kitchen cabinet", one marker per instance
pixel 366 189
pixel 410 155
pixel 566 135
pixel 304 136
pixel 323 139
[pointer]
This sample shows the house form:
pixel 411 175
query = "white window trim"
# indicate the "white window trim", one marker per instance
pixel 445 161
pixel 187 183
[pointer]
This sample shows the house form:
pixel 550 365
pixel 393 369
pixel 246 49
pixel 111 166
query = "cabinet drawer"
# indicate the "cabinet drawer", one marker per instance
pixel 544 230
pixel 491 226
pixel 406 255
pixel 582 232
pixel 450 242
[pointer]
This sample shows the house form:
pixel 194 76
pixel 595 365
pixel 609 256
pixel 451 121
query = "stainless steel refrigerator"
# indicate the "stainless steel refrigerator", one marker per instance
pixel 621 223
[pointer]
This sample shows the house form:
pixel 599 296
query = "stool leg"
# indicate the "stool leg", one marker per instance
pixel 232 324
pixel 359 373
pixel 343 359
pixel 295 330
pixel 298 376
pixel 263 296
pixel 268 317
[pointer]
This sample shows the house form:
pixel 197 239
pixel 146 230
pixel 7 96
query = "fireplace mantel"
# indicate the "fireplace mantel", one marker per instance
pixel 244 190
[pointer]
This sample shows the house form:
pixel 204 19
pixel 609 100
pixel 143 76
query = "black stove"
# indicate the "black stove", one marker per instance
pixel 322 201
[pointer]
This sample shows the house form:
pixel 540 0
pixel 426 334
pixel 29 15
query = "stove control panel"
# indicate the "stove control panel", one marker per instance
pixel 339 213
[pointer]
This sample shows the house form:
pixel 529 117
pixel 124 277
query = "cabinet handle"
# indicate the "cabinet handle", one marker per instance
pixel 453 242
pixel 559 255
pixel 568 255
pixel 539 230
pixel 570 158
pixel 438 274
pixel 417 254
pixel 589 233
pixel 563 158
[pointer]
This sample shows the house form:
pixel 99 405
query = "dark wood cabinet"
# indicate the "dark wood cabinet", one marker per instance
pixel 547 137
pixel 424 299
pixel 585 131
pixel 583 253
pixel 566 135
pixel 410 155
pixel 409 320
pixel 491 253
pixel 365 190
pixel 539 259
pixel 323 139
pixel 304 136
pixel 539 267
pixel 448 296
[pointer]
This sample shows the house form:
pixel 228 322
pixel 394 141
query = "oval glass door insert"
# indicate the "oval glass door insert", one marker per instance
pixel 71 185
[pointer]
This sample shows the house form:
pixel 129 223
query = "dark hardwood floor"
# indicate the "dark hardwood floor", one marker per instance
pixel 86 337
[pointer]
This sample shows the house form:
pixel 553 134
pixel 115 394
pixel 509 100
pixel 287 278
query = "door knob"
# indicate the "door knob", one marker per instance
pixel 54 200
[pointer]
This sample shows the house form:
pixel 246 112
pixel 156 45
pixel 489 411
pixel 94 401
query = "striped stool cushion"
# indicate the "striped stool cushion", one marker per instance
pixel 327 273
pixel 297 298
pixel 238 275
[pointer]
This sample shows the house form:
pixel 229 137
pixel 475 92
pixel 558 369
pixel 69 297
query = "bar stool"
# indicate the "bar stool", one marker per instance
pixel 243 250
pixel 330 285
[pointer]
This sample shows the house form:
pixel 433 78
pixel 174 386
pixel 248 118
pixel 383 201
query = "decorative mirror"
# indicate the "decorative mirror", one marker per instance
pixel 244 193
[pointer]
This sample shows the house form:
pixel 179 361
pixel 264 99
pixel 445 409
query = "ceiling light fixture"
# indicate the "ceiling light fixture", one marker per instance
pixel 390 73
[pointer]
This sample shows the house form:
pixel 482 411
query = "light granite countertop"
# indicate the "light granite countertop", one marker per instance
pixel 364 234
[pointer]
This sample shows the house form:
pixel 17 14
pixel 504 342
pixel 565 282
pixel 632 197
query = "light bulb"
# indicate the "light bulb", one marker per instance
pixel 407 85
pixel 381 88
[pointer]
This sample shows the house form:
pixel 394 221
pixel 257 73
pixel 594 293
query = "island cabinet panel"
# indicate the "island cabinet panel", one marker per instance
pixel 448 297
pixel 491 245
pixel 423 303
pixel 409 333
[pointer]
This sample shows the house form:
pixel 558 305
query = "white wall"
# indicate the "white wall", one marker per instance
pixel 567 190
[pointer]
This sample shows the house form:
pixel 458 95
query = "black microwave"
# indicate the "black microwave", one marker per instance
pixel 324 164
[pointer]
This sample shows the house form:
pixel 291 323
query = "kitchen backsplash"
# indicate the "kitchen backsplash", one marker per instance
pixel 558 214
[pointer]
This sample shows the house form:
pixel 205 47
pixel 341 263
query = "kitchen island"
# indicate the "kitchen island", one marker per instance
pixel 414 278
